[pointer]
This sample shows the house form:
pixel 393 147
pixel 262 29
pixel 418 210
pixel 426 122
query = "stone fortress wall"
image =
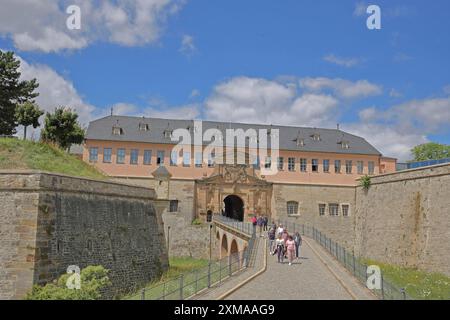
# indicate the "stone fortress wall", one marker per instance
pixel 50 221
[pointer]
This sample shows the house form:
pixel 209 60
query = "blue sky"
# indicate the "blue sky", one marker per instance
pixel 309 63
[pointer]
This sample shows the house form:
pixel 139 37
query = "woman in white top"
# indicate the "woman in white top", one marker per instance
pixel 280 248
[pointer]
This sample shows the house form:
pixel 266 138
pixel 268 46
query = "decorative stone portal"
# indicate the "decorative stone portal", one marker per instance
pixel 235 191
pixel 234 207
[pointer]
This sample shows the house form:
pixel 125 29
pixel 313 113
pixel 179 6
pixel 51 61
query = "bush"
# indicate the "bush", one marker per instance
pixel 93 280
pixel 197 222
pixel 365 182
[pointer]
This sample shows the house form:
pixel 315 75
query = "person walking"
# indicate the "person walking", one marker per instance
pixel 280 249
pixel 254 223
pixel 260 225
pixel 271 236
pixel 290 248
pixel 265 222
pixel 280 230
pixel 298 243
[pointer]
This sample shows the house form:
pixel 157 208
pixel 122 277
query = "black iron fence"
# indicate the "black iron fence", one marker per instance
pixel 355 265
pixel 191 283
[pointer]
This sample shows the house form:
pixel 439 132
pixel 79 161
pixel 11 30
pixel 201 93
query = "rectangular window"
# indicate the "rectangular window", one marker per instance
pixel 345 210
pixel 160 158
pixel 107 152
pixel 268 163
pixel 291 164
pixel 134 153
pixel 326 165
pixel 173 158
pixel 292 208
pixel 147 157
pixel 280 163
pixel 256 162
pixel 120 156
pixel 334 209
pixel 360 167
pixel 315 165
pixel 348 166
pixel 337 166
pixel 303 165
pixel 371 167
pixel 198 159
pixel 322 209
pixel 211 157
pixel 186 159
pixel 93 154
pixel 173 206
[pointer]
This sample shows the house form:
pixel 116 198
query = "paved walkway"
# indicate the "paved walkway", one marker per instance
pixel 306 279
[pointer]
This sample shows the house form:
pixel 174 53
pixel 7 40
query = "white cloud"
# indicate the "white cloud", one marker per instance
pixel 187 45
pixel 40 25
pixel 341 61
pixel 342 88
pixel 360 9
pixel 124 109
pixel 395 93
pixel 191 111
pixel 194 93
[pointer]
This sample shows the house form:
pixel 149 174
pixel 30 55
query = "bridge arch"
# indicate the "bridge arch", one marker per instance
pixel 224 246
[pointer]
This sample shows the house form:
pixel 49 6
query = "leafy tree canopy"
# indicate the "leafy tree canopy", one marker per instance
pixel 27 114
pixel 430 151
pixel 12 91
pixel 62 128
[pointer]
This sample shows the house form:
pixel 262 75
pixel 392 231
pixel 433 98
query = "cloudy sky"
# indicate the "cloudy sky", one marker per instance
pixel 306 63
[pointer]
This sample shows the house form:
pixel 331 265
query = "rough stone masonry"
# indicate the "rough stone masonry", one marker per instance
pixel 50 221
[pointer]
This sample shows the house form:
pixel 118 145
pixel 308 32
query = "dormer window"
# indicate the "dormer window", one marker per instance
pixel 144 127
pixel 315 137
pixel 117 131
pixel 167 134
pixel 300 142
pixel 344 144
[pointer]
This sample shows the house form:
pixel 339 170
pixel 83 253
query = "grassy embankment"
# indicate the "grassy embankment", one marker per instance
pixel 19 154
pixel 418 284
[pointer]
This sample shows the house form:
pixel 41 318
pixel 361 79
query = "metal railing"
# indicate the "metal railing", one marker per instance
pixel 188 284
pixel 353 264
pixel 245 227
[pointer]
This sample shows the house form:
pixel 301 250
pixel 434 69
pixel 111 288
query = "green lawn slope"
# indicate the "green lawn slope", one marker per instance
pixel 19 154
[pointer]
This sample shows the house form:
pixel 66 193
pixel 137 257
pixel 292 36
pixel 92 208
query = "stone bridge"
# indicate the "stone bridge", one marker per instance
pixel 233 238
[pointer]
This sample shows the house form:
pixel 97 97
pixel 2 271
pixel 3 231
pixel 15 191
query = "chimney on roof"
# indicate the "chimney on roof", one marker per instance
pixel 112 110
pixel 337 126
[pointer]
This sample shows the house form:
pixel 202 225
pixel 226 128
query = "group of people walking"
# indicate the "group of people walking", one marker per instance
pixel 283 244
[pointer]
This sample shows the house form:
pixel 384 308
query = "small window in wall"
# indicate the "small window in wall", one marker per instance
pixel 198 160
pixel 291 164
pixel 144 127
pixel 147 157
pixel 173 158
pixel 334 209
pixel 211 160
pixel 315 165
pixel 59 246
pixel 348 166
pixel 117 131
pixel 268 163
pixel 337 166
pixel 280 163
pixel 345 210
pixel 89 245
pixel 186 159
pixel 256 162
pixel 120 156
pixel 160 158
pixel 371 167
pixel 107 155
pixel 303 165
pixel 173 206
pixel 93 154
pixel 326 165
pixel 134 156
pixel 292 208
pixel 360 167
pixel 322 207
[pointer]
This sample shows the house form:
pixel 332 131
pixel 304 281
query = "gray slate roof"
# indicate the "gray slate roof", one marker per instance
pixel 101 129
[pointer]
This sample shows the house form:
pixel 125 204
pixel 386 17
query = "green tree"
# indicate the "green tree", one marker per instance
pixel 12 91
pixel 430 151
pixel 62 128
pixel 93 279
pixel 27 114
